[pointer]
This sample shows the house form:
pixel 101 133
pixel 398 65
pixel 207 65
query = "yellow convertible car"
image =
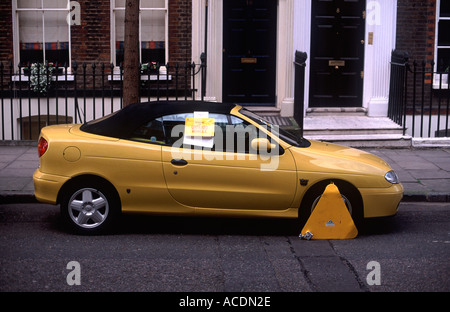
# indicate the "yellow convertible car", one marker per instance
pixel 200 159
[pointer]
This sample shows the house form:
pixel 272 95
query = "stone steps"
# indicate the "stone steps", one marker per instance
pixel 355 130
pixel 348 126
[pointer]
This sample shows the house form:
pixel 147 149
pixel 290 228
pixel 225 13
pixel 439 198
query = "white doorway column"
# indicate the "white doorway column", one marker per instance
pixel 381 24
pixel 215 45
pixel 302 39
pixel 285 57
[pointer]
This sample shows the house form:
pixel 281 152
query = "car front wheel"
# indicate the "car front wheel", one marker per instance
pixel 349 194
pixel 89 209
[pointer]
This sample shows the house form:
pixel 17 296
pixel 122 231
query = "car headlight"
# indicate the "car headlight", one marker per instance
pixel 392 177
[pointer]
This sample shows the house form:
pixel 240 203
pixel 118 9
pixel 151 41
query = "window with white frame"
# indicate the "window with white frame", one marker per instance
pixel 42 33
pixel 153 32
pixel 442 53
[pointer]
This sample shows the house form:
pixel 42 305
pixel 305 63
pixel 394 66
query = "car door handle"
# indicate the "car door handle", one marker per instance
pixel 179 162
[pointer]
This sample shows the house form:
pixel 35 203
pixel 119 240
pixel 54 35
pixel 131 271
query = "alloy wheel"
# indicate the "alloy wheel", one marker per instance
pixel 88 208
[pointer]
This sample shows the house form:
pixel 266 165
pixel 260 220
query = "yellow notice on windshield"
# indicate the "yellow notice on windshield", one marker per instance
pixel 199 127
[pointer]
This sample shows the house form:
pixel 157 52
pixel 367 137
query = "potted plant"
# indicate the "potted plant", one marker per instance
pixel 41 76
pixel 149 68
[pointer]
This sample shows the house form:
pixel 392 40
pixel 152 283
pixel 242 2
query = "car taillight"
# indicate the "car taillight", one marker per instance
pixel 42 146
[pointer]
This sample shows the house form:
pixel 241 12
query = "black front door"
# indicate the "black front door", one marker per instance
pixel 249 51
pixel 337 53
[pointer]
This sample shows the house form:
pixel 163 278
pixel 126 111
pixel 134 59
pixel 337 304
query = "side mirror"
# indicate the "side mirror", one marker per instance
pixel 262 145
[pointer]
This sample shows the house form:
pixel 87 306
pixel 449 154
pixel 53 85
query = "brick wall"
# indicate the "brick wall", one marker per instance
pixel 416 28
pixel 180 30
pixel 416 31
pixel 90 41
pixel 6 34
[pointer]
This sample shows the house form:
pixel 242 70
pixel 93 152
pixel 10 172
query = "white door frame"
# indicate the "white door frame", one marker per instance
pixel 294 33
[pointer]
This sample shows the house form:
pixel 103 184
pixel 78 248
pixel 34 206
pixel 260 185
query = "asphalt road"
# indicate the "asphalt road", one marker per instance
pixel 409 252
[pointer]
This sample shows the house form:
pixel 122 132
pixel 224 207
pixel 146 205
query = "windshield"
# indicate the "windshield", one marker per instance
pixel 286 136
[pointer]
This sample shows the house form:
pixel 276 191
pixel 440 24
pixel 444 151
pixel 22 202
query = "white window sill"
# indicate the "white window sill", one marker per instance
pixel 25 78
pixel 440 81
pixel 442 86
pixel 117 77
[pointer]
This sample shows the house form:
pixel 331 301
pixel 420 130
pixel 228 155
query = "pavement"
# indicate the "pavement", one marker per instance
pixel 424 172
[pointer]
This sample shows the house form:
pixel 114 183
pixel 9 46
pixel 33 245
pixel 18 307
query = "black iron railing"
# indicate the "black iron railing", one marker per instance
pixel 299 92
pixel 419 97
pixel 38 95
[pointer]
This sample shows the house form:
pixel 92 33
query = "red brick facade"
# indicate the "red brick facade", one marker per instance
pixel 6 32
pixel 416 25
pixel 180 30
pixel 91 41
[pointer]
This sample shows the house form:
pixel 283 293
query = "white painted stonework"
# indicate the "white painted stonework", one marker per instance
pixel 294 33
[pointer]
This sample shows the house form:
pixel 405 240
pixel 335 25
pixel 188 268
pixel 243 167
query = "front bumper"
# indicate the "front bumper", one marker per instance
pixel 381 202
pixel 47 186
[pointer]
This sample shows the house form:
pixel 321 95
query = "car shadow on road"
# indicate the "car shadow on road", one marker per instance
pixel 235 226
pixel 178 225
pixel 131 224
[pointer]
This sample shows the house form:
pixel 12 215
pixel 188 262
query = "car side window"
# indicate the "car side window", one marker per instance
pixel 239 135
pixel 150 132
pixel 159 130
pixel 174 126
pixel 231 133
pixel 243 133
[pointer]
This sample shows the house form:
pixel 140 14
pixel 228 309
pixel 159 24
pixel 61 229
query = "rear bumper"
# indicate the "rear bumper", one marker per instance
pixel 381 202
pixel 47 186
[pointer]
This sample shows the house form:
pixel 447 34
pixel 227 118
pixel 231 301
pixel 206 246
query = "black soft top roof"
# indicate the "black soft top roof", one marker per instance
pixel 126 120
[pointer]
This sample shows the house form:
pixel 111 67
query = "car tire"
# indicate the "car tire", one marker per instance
pixel 90 207
pixel 349 193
